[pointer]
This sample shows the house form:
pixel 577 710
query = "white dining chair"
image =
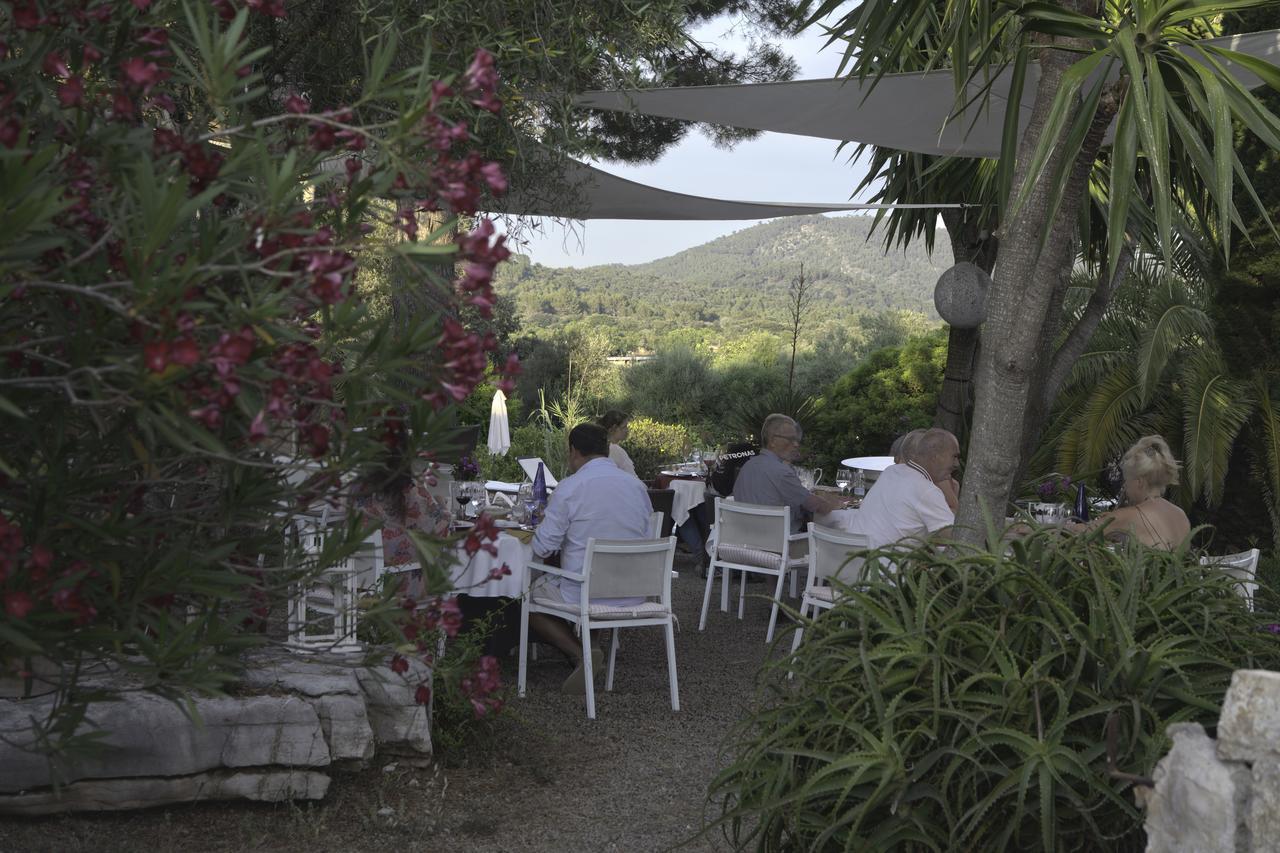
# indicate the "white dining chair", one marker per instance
pixel 613 568
pixel 323 612
pixel 829 557
pixel 752 539
pixel 655 524
pixel 1243 566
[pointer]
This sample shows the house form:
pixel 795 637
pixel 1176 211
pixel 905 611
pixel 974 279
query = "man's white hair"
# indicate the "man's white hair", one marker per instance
pixel 773 424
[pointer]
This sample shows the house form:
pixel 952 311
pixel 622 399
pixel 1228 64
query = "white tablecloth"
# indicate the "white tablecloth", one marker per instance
pixel 470 576
pixel 688 494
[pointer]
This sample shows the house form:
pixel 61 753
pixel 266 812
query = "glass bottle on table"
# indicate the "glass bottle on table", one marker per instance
pixel 859 484
pixel 539 493
pixel 1082 504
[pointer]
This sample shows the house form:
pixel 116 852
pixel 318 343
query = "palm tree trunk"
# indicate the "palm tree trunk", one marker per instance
pixel 1026 279
pixel 955 397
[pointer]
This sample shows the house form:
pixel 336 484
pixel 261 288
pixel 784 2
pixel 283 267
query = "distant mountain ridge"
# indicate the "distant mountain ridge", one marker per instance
pixel 737 282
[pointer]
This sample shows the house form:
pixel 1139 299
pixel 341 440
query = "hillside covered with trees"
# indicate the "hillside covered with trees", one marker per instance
pixel 731 286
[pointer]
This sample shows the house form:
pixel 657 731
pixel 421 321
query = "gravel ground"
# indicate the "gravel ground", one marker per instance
pixel 544 778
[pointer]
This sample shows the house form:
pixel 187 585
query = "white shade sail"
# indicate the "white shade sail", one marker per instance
pixel 596 194
pixel 906 112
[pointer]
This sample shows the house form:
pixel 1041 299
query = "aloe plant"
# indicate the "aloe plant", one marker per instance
pixel 983 700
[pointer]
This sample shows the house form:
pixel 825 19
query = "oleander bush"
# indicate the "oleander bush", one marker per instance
pixel 187 363
pixel 980 700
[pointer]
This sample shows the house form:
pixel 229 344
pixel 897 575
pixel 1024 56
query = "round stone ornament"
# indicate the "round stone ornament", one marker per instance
pixel 961 295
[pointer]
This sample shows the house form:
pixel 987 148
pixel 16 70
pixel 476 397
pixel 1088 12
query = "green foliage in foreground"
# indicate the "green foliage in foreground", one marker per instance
pixel 967 706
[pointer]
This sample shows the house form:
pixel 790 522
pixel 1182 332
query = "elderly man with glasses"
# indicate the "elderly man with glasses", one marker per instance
pixel 769 479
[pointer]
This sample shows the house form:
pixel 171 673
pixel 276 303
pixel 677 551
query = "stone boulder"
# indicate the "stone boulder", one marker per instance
pixel 292 720
pixel 1199 803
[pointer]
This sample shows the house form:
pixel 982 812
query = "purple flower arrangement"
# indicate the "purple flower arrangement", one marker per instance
pixel 1056 489
pixel 468 469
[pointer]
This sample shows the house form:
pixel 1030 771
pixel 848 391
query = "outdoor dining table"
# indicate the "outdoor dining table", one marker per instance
pixel 688 494
pixel 471 575
pixel 868 463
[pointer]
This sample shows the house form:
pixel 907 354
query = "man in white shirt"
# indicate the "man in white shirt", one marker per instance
pixel 596 501
pixel 907 501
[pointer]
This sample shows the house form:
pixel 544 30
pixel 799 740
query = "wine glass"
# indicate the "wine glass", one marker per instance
pixel 458 490
pixel 524 497
pixel 478 498
pixel 844 479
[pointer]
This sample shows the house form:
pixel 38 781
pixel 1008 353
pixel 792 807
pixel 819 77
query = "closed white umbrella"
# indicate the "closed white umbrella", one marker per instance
pixel 499 429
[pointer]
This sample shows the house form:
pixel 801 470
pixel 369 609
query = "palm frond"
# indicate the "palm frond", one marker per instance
pixel 1176 322
pixel 1266 466
pixel 1107 423
pixel 1215 407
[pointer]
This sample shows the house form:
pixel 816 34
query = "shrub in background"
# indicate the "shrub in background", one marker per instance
pixel 894 391
pixel 677 386
pixel 652 444
pixel 982 701
pixel 526 440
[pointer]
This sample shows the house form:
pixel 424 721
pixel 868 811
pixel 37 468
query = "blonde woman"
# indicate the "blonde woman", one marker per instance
pixel 1149 469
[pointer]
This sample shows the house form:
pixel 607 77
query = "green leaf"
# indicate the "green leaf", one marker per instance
pixel 1177 324
pixel 1124 158
pixel 1064 105
pixel 1215 409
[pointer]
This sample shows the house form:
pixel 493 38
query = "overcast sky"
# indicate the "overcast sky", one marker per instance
pixel 773 167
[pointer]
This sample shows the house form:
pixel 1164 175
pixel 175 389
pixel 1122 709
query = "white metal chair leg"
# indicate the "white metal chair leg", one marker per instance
pixel 795 642
pixel 773 612
pixel 613 656
pixel 587 670
pixel 671 666
pixel 706 596
pixel 524 652
pixel 742 593
pixel 725 580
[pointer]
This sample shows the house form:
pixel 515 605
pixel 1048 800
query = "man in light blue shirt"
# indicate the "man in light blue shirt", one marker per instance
pixel 597 501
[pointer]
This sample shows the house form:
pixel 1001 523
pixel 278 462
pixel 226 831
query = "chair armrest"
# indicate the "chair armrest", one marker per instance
pixel 551 570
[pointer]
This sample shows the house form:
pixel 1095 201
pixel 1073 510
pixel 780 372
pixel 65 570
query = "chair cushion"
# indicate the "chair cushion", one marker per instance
pixel 644 610
pixel 749 556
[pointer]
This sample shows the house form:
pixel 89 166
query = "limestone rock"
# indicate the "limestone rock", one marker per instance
pixel 146 735
pixel 306 676
pixel 1264 809
pixel 115 794
pixel 1249 727
pixel 1197 802
pixel 345 724
pixel 398 721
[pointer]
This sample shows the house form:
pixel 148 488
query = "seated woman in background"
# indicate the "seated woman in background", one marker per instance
pixel 1149 468
pixel 392 499
pixel 618 425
